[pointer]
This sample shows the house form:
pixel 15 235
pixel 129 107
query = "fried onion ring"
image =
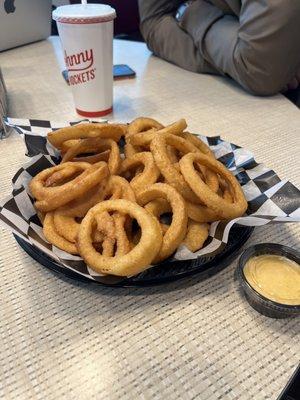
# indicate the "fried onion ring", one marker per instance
pixel 82 131
pixel 197 142
pixel 50 198
pixel 196 235
pixel 148 176
pixel 158 207
pixel 96 145
pixel 80 206
pixel 201 213
pixel 212 200
pixel 41 185
pixel 106 225
pixel 177 230
pixel 137 259
pixel 54 237
pixel 68 144
pixel 145 138
pixel 61 176
pixel 67 227
pixel 116 183
pixel 118 188
pixel 142 124
pixel 94 158
pixel 122 241
pixel 130 150
pixel 168 170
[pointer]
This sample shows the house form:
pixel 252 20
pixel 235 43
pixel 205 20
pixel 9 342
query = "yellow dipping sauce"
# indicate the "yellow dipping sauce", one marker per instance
pixel 274 277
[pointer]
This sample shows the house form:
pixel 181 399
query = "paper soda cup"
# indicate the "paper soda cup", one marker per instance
pixel 86 33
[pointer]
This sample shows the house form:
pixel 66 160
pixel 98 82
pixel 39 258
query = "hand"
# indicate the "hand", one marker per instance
pixel 293 84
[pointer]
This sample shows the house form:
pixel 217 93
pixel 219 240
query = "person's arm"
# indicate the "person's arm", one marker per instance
pixel 166 39
pixel 260 50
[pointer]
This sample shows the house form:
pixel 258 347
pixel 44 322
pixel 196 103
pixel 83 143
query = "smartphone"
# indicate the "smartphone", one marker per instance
pixel 120 71
pixel 123 71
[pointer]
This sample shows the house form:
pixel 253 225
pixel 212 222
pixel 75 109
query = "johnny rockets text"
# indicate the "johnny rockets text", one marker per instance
pixel 82 77
pixel 79 66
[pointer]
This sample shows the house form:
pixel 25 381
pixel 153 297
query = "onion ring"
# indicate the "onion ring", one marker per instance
pixel 40 185
pixel 66 227
pixel 197 142
pixel 145 138
pixel 196 235
pixel 114 184
pixel 173 155
pixel 139 258
pixel 201 213
pixel 61 176
pixel 54 197
pixel 96 145
pixel 82 131
pixel 227 195
pixel 149 175
pixel 142 140
pixel 177 230
pixel 54 237
pixel 158 207
pixel 68 144
pixel 210 178
pixel 106 225
pixel 225 191
pixel 80 206
pixel 122 242
pixel 118 188
pixel 212 200
pixel 142 124
pixel 176 128
pixel 130 150
pixel 172 176
pixel 93 159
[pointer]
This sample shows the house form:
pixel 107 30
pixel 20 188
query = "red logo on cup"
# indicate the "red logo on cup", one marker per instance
pixel 80 64
pixel 79 61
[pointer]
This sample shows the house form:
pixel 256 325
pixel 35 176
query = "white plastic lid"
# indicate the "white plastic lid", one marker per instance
pixel 90 12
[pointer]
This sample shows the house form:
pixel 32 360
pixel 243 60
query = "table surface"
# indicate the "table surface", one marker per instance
pixel 66 340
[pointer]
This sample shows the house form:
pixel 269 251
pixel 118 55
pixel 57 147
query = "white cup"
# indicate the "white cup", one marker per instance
pixel 86 33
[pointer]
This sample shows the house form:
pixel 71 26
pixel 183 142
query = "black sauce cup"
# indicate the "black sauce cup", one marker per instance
pixel 260 303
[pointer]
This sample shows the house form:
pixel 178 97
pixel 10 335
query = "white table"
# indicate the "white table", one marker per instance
pixel 188 340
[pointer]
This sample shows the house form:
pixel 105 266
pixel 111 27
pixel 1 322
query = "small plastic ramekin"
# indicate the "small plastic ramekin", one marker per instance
pixel 260 303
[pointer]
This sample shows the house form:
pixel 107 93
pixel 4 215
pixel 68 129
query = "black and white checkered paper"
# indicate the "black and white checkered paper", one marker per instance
pixel 270 199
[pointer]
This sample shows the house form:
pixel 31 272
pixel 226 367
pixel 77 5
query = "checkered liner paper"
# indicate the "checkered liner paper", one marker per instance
pixel 270 199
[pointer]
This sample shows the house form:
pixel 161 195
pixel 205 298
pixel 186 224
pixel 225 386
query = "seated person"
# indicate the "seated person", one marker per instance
pixel 255 42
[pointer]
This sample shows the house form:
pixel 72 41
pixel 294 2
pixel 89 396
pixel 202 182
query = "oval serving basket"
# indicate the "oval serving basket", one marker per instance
pixel 165 272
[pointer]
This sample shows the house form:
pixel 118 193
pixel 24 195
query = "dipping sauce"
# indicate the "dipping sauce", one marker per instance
pixel 274 277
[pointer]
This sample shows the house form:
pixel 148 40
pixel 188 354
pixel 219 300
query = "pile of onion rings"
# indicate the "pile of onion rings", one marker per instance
pixel 125 207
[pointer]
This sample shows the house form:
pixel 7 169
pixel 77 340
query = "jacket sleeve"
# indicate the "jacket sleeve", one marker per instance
pixel 260 50
pixel 166 39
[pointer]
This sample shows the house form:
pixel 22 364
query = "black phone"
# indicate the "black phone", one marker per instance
pixel 120 71
pixel 123 71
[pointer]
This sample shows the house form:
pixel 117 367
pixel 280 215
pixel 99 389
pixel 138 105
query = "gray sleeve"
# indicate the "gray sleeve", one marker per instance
pixel 166 39
pixel 260 50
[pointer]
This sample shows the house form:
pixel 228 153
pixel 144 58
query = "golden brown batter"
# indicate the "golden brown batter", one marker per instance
pixel 274 277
